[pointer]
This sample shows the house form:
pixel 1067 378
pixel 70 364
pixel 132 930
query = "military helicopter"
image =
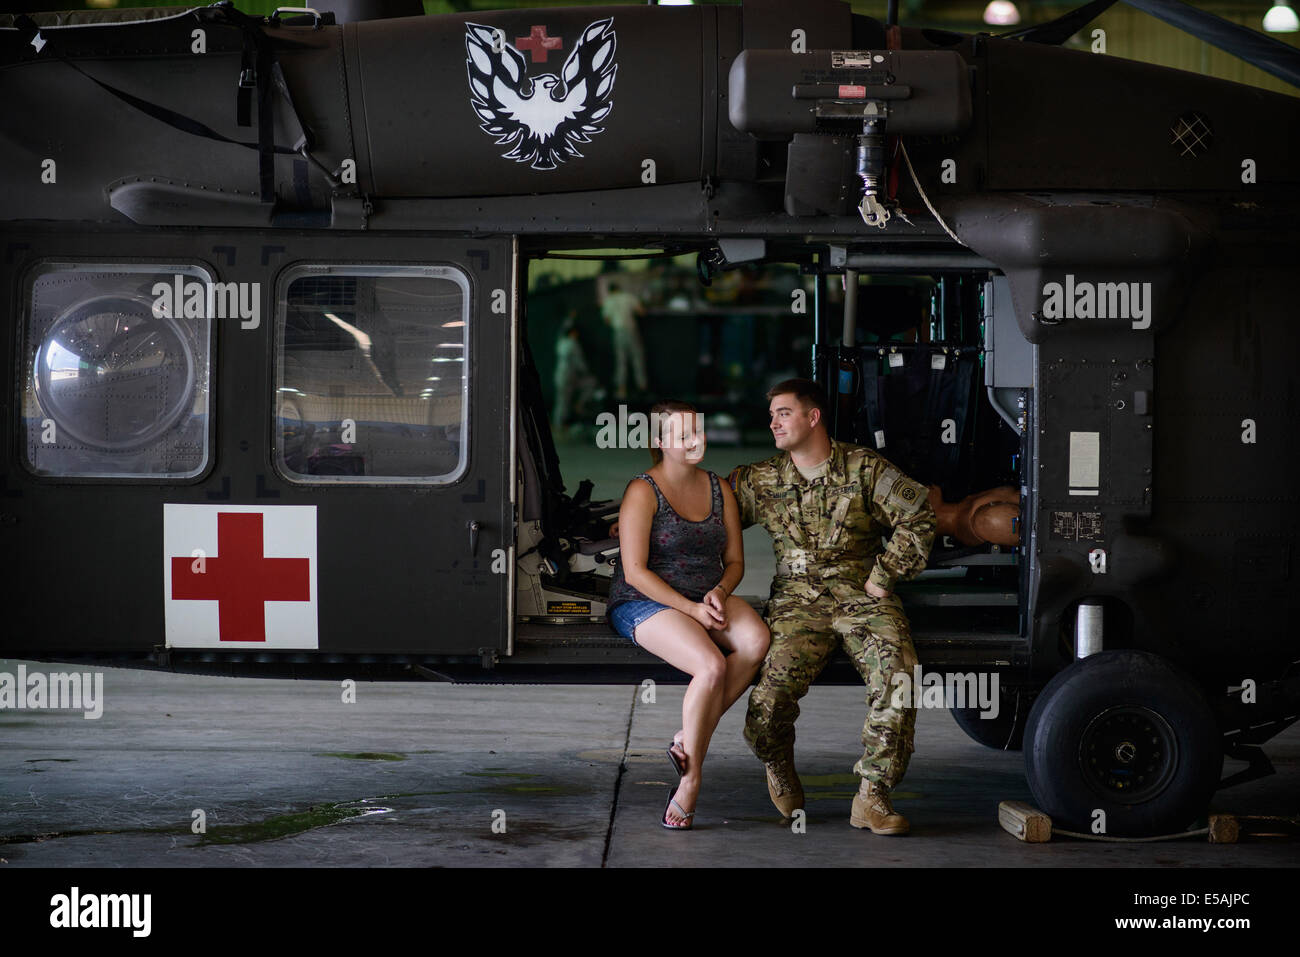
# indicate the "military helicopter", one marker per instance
pixel 270 406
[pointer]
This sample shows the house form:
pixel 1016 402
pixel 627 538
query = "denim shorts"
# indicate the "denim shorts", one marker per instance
pixel 629 614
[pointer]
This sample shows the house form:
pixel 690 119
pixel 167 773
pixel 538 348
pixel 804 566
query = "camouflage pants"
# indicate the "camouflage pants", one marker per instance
pixel 876 637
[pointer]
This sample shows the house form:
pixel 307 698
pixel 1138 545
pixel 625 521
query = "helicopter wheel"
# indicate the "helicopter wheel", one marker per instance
pixel 1122 743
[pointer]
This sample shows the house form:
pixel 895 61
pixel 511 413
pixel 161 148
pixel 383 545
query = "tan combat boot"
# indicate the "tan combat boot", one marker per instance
pixel 783 785
pixel 871 808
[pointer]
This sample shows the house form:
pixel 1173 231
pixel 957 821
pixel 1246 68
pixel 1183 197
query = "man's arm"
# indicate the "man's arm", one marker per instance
pixel 733 558
pixel 739 482
pixel 897 501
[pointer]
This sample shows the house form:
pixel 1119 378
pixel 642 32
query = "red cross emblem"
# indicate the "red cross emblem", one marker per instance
pixel 240 578
pixel 539 43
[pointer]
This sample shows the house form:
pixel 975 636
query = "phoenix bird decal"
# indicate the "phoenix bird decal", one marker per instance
pixel 543 118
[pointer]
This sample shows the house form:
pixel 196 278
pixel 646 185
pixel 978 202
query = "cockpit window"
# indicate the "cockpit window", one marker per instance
pixel 371 374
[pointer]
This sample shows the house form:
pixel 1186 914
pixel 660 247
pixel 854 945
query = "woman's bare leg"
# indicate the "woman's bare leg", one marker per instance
pixel 746 637
pixel 682 642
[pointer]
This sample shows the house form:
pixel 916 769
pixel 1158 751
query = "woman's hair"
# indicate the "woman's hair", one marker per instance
pixel 659 413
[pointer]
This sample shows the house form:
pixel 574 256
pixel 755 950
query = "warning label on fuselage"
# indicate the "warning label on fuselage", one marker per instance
pixel 852 60
pixel 568 607
pixel 1077 526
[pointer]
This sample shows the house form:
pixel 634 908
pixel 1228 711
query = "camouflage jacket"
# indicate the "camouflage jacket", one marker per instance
pixel 827 533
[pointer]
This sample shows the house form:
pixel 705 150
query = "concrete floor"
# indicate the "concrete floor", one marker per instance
pixel 413 775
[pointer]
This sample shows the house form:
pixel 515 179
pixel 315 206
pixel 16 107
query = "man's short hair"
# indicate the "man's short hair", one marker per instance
pixel 807 391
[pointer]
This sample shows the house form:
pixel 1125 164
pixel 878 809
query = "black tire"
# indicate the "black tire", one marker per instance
pixel 1006 732
pixel 1127 733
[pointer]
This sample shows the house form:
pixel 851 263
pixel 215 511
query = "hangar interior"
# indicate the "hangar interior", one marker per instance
pixel 918 383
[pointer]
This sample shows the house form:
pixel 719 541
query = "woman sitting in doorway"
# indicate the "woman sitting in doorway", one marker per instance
pixel 672 588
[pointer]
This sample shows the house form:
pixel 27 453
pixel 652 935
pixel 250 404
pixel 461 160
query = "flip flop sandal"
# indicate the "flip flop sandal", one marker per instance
pixel 680 810
pixel 677 764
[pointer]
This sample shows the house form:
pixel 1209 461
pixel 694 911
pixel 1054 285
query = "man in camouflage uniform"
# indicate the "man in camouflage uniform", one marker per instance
pixel 827 505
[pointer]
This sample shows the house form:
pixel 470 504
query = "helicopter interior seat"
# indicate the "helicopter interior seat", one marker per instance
pixel 915 405
pixel 583 524
pixel 595 546
pixel 607 548
pixel 603 513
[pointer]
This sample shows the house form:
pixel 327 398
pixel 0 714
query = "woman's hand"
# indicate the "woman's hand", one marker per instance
pixel 716 600
pixel 707 616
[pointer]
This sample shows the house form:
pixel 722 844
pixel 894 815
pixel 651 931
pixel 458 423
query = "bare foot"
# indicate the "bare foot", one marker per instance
pixel 687 793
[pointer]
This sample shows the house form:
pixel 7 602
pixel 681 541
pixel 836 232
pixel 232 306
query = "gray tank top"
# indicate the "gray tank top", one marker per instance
pixel 685 554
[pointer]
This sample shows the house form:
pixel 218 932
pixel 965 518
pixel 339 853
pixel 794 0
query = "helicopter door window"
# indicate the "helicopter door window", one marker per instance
pixel 116 382
pixel 371 377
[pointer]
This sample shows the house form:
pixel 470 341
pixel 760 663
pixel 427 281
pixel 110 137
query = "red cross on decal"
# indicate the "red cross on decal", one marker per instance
pixel 539 43
pixel 240 578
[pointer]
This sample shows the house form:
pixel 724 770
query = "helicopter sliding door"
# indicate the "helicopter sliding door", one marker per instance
pixel 289 444
pixel 392 379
